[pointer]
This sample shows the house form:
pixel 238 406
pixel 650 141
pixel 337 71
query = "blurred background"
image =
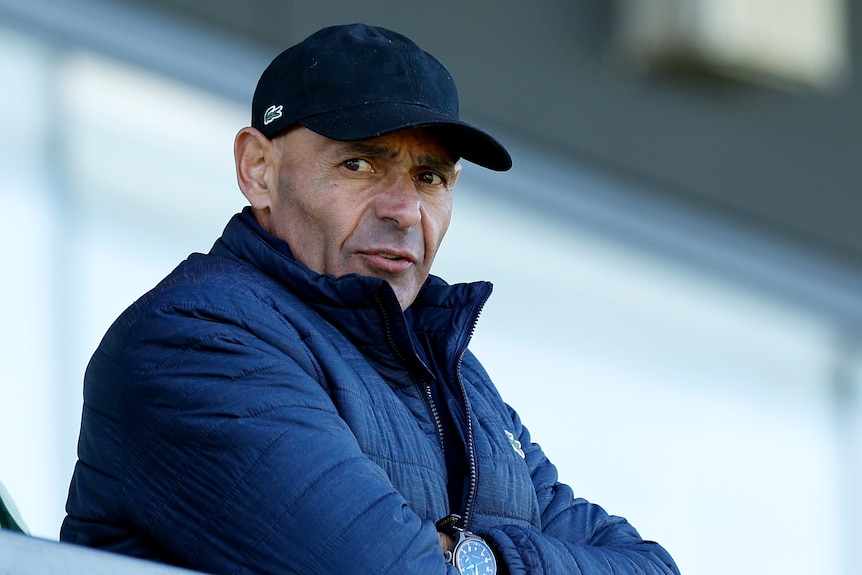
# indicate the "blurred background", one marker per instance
pixel 677 255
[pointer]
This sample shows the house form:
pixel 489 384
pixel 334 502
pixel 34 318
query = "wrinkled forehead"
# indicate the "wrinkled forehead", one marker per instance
pixel 425 146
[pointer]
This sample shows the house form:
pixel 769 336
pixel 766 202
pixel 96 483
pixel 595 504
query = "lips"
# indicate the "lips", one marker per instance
pixel 388 261
pixel 390 254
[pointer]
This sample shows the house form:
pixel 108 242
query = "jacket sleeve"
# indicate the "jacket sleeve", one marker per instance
pixel 576 537
pixel 236 460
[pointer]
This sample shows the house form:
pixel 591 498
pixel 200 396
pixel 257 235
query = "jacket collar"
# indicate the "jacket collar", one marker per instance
pixel 365 308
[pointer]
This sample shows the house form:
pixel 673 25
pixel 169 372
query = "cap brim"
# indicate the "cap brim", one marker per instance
pixel 380 118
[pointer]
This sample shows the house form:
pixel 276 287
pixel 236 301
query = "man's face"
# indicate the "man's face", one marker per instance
pixel 377 207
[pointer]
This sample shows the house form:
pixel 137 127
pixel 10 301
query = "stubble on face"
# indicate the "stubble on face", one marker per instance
pixel 377 208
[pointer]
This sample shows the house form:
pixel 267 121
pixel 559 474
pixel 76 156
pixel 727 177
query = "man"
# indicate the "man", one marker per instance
pixel 301 399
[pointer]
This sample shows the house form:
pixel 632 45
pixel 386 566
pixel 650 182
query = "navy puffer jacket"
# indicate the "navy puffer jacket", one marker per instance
pixel 250 416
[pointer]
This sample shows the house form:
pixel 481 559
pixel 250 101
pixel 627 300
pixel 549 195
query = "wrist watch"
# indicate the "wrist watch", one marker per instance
pixel 471 555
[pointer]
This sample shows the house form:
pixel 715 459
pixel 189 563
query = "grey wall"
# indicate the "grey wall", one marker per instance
pixel 783 163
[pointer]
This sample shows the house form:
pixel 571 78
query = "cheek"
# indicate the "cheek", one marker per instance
pixel 300 223
pixel 300 204
pixel 324 229
pixel 438 215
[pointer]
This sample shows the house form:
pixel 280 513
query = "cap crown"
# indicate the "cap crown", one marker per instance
pixel 357 82
pixel 344 67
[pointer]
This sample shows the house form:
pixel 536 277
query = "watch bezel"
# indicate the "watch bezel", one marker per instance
pixel 465 538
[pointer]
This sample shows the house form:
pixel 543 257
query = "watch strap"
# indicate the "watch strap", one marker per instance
pixel 450 525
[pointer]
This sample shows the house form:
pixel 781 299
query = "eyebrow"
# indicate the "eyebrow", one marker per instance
pixel 366 149
pixel 385 152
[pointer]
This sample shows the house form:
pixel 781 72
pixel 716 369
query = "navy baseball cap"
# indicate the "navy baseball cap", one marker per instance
pixel 357 82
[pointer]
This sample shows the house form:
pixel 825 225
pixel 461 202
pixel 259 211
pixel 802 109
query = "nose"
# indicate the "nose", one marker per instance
pixel 399 203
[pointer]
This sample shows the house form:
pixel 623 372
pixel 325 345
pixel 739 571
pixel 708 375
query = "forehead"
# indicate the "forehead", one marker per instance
pixel 423 145
pixel 420 146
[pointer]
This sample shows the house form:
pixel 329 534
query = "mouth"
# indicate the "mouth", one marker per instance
pixel 388 262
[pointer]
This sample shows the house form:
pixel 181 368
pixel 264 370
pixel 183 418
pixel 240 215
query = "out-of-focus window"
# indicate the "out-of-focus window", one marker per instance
pixel 109 176
pixel 700 411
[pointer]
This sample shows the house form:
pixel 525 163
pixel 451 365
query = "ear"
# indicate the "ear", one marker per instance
pixel 255 157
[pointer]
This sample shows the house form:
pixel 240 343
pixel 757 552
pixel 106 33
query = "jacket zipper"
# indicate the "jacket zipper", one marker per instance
pixel 464 519
pixel 424 383
pixel 432 405
pixel 471 448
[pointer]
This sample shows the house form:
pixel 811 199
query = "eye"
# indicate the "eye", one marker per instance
pixel 430 178
pixel 358 165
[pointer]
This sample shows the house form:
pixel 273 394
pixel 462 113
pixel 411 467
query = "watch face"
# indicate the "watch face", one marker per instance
pixel 474 557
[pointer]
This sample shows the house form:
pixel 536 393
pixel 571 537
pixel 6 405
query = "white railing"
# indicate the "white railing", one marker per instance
pixel 25 555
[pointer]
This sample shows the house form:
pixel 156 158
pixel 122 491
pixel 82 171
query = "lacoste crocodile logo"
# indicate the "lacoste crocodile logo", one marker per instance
pixel 516 445
pixel 272 113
